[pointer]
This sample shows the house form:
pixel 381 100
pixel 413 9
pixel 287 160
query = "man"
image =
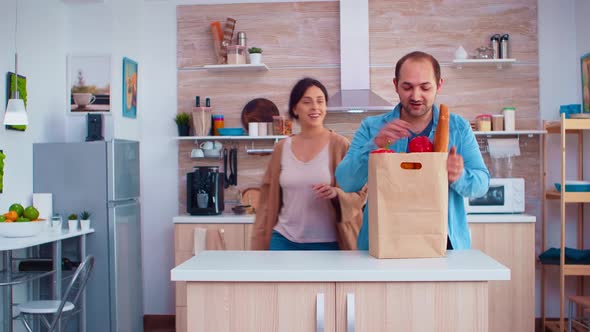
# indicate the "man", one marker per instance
pixel 417 81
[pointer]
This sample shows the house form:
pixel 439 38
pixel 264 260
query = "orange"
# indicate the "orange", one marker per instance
pixel 11 216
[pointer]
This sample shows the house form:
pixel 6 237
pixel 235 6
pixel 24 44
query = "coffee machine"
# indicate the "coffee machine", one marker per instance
pixel 204 191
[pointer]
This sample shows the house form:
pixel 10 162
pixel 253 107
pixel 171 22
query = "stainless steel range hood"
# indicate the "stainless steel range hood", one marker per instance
pixel 355 95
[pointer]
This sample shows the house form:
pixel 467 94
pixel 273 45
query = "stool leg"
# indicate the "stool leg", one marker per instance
pixel 570 314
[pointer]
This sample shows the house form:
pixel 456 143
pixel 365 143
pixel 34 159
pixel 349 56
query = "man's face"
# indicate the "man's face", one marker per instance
pixel 416 87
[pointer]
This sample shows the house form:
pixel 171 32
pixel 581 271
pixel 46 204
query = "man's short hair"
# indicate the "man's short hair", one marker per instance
pixel 417 56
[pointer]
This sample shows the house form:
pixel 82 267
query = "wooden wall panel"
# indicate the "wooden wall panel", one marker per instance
pixel 302 39
pixel 289 33
pixel 439 27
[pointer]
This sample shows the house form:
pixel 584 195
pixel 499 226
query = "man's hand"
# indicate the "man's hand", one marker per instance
pixel 391 132
pixel 454 165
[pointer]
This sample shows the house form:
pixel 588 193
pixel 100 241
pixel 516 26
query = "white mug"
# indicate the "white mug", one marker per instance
pixel 207 145
pixel 262 129
pixel 217 145
pixel 83 99
pixel 197 153
pixel 253 129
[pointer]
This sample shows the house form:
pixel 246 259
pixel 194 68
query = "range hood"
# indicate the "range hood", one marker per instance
pixel 355 95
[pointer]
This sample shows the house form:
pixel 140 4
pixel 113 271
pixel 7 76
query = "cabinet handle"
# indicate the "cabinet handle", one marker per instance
pixel 350 312
pixel 319 312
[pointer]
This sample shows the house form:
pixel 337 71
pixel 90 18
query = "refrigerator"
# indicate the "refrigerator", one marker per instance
pixel 101 177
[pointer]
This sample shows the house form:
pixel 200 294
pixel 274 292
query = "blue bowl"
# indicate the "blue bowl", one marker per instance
pixel 231 131
pixel 574 186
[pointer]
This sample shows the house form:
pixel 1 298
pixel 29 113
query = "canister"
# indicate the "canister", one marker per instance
pixel 504 46
pixel 497 122
pixel 509 118
pixel 484 122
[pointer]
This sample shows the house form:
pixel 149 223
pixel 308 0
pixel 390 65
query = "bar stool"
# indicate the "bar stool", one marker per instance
pixel 583 301
pixel 51 311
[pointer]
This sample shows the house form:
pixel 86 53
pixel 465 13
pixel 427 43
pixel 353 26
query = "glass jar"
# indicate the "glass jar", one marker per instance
pixel 236 55
pixel 497 122
pixel 509 118
pixel 484 122
pixel 278 124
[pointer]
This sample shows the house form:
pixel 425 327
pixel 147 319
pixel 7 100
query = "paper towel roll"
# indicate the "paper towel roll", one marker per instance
pixel 44 203
pixel 503 147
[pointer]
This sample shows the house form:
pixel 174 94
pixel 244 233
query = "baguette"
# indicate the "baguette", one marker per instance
pixel 441 136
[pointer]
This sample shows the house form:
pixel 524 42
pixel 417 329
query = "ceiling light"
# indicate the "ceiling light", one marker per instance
pixel 16 114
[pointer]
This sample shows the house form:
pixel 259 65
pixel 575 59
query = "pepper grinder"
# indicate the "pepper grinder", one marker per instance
pixel 504 46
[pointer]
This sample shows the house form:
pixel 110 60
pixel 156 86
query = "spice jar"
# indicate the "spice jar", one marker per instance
pixel 278 123
pixel 218 122
pixel 484 122
pixel 288 127
pixel 497 122
pixel 236 55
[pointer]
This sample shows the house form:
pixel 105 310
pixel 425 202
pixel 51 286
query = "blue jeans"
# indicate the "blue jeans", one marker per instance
pixel 279 242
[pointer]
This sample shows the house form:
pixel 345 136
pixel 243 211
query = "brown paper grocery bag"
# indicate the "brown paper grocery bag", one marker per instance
pixel 408 205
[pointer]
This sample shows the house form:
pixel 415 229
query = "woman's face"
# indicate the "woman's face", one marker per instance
pixel 311 108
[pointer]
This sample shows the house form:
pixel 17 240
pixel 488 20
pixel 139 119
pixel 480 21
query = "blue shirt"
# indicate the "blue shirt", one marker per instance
pixel 352 172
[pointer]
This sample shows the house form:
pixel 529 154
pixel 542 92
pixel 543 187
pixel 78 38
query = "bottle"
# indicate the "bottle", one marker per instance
pixel 495 41
pixel 207 102
pixel 509 118
pixel 242 40
pixel 504 46
pixel 197 101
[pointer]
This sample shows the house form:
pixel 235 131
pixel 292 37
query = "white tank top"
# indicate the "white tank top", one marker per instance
pixel 303 217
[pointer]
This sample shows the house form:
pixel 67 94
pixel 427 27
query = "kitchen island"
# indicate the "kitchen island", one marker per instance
pixel 336 291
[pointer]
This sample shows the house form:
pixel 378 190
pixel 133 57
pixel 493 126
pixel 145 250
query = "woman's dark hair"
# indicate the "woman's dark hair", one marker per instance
pixel 417 56
pixel 299 90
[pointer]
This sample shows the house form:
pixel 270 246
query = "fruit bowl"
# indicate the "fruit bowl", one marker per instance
pixel 22 229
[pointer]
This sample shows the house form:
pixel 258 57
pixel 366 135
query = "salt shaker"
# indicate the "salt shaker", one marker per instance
pixel 495 40
pixel 504 46
pixel 242 40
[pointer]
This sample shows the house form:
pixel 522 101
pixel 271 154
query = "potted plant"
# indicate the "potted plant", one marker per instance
pixel 73 222
pixel 182 121
pixel 85 220
pixel 255 55
pixel 81 93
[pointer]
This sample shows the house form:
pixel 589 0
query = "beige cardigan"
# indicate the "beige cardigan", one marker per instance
pixel 348 206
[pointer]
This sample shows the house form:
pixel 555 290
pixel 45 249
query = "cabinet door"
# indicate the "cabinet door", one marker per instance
pixel 260 307
pixel 411 306
pixel 247 234
pixel 184 239
pixel 511 302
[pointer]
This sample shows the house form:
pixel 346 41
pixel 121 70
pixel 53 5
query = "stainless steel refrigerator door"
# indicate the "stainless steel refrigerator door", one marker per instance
pixel 123 169
pixel 125 266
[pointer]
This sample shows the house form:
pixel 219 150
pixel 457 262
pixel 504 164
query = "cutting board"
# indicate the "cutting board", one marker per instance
pixel 258 110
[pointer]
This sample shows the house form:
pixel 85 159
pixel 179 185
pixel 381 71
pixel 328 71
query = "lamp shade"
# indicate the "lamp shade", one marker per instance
pixel 15 113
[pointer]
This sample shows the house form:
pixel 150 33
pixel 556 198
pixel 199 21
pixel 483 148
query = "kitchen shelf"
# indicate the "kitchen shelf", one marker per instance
pixel 571 126
pixel 563 128
pixel 236 68
pixel 570 197
pixel 510 133
pixel 230 138
pixel 499 63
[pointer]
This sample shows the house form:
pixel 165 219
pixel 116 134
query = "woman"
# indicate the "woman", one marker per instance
pixel 300 205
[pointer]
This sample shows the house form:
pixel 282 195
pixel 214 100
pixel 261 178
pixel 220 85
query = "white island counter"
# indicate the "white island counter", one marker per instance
pixel 302 291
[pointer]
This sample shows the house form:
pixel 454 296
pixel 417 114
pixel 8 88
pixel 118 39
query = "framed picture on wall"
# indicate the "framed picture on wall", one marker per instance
pixel 89 83
pixel 21 86
pixel 586 83
pixel 129 88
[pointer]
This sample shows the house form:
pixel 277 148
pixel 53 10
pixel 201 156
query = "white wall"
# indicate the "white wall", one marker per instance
pixel 41 44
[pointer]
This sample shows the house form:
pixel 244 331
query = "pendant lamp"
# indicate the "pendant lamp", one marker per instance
pixel 16 113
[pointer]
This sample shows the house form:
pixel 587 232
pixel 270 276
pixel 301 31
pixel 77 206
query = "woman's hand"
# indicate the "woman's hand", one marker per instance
pixel 324 191
pixel 391 132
